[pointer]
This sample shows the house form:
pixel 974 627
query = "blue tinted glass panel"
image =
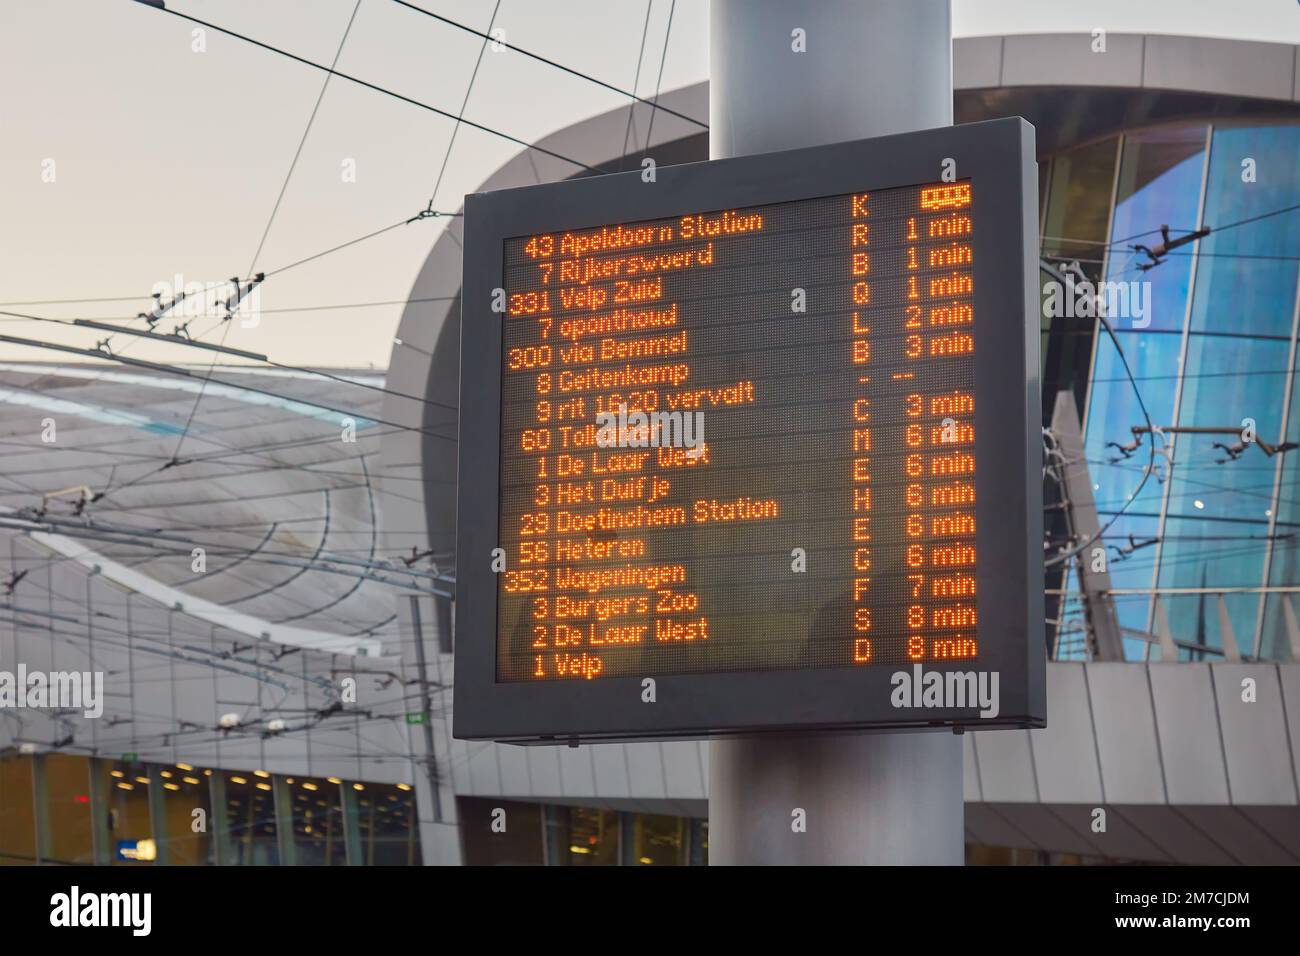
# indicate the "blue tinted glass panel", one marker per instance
pixel 1228 381
pixel 1204 553
pixel 1114 410
pixel 1159 184
pixel 1245 281
pixel 1131 563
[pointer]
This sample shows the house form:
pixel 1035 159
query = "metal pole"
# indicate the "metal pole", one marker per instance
pixel 426 711
pixel 867 68
pixel 285 834
pixel 101 837
pixel 158 816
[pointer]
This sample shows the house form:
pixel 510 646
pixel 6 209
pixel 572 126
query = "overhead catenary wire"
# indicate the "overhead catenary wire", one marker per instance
pixel 175 338
pixel 658 107
pixel 302 141
pixel 293 561
pixel 174 370
pixel 469 88
pixel 1146 475
pixel 668 31
pixel 383 90
pixel 636 79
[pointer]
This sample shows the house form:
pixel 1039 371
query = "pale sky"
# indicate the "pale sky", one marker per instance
pixel 166 160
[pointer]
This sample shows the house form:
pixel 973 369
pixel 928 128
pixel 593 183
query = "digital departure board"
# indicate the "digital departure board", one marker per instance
pixel 754 444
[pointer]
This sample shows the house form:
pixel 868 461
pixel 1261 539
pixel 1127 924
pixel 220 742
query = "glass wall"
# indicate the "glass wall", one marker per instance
pixel 318 831
pixel 499 832
pixel 130 831
pixel 69 809
pixel 1212 352
pixel 17 812
pixel 187 815
pixel 250 819
pixel 390 833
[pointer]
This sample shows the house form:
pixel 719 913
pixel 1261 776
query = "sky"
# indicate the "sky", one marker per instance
pixel 131 157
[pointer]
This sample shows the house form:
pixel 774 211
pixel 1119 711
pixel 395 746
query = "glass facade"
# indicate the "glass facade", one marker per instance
pixel 67 809
pixel 498 832
pixel 1208 540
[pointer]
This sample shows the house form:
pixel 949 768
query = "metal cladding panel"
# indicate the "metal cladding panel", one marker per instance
pixel 514 771
pixel 577 772
pixel 1123 839
pixel 1006 766
pixel 1261 70
pixel 977 63
pixel 1055 828
pixel 543 770
pixel 1239 836
pixel 683 775
pixel 1255 773
pixel 1065 754
pixel 1191 746
pixel 1042 60
pixel 1289 678
pixel 610 762
pixel 970 771
pixel 645 767
pixel 1178 836
pixel 483 770
pixel 1125 730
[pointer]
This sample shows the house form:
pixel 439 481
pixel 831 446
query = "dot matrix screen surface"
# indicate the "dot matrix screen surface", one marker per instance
pixel 824 513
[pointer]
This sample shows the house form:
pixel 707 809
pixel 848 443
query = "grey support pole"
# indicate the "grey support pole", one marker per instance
pixel 285 835
pixel 158 816
pixel 101 837
pixel 868 68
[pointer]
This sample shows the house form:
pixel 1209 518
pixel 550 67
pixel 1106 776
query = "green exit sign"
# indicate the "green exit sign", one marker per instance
pixel 415 717
pixel 130 757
